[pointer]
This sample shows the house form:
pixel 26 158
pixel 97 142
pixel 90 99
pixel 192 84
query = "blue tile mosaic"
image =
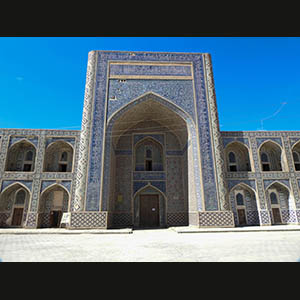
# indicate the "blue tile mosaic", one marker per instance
pixel 137 185
pixel 261 140
pixel 33 140
pixel 158 137
pixel 179 92
pixel 233 183
pixel 268 182
pixel 149 175
pixel 167 89
pixel 55 139
pixel 7 183
pixel 158 70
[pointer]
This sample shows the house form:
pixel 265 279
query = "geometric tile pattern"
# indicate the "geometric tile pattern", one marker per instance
pixel 216 218
pixel 121 220
pixel 289 216
pixel 177 219
pixel 264 217
pixel 88 220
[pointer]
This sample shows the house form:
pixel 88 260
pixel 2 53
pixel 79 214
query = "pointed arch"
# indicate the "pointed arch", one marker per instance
pixel 147 186
pixel 162 203
pixel 52 158
pixel 12 213
pixel 51 186
pixel 279 183
pixel 245 213
pixel 144 163
pixel 23 140
pixel 243 185
pixel 275 156
pixel 13 184
pixel 242 157
pixel 296 155
pixel 53 203
pixel 16 156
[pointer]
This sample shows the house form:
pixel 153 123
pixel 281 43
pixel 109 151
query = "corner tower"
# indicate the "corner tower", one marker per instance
pixel 150 147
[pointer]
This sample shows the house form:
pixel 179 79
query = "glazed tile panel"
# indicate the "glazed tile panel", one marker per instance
pixel 154 70
pixel 180 92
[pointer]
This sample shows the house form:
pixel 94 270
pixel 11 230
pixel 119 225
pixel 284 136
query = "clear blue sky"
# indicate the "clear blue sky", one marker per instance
pixel 42 80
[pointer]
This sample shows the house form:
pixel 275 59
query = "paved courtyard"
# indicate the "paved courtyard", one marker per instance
pixel 160 245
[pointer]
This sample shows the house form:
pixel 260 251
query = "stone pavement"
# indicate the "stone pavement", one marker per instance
pixel 155 245
pixel 179 229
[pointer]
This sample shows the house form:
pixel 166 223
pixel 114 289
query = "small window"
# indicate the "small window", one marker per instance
pixel 29 156
pixel 64 156
pixel 232 168
pixel 148 165
pixel 265 162
pixel 231 157
pixel 148 153
pixel 62 168
pixel 20 197
pixel 266 167
pixel 27 167
pixel 296 160
pixel 264 157
pixel 239 199
pixel 296 157
pixel 273 198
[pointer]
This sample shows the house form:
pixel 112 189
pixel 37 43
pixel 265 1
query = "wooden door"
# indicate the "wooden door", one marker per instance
pixel 149 211
pixel 242 217
pixel 17 217
pixel 276 215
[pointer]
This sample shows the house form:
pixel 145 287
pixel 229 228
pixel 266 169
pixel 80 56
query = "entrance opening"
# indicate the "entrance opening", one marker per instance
pixel 241 217
pixel 55 218
pixel 148 165
pixel 148 146
pixel 149 211
pixel 17 217
pixel 276 216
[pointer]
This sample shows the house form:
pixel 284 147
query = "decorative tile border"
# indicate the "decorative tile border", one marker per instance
pixel 216 219
pixel 88 220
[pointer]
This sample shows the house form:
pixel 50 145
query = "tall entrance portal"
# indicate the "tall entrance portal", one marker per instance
pixel 150 131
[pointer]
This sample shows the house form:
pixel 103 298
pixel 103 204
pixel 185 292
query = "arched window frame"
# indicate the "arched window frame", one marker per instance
pixel 15 198
pixel 27 163
pixel 277 196
pixel 241 192
pixel 62 164
pixel 232 165
pixel 297 161
pixel 265 165
pixel 144 160
pixel 148 160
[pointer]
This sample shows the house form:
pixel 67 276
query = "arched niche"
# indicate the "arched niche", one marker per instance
pixel 14 201
pixel 58 157
pixel 237 157
pixel 54 201
pixel 270 154
pixel 21 157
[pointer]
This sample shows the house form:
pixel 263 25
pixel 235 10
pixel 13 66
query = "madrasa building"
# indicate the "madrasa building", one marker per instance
pixel 150 153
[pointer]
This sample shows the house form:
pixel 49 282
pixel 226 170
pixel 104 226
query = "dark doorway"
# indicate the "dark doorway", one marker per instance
pixel 17 217
pixel 276 215
pixel 55 217
pixel 148 165
pixel 242 217
pixel 149 211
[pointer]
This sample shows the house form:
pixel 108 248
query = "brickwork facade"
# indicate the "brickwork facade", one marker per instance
pixel 149 127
